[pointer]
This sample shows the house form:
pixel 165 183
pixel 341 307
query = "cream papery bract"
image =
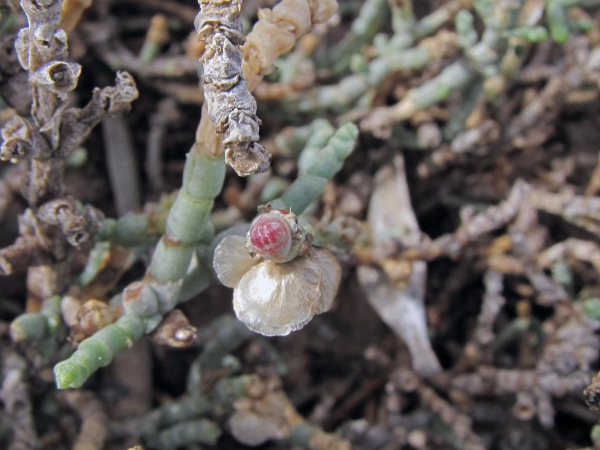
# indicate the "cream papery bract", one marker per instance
pixel 232 260
pixel 275 299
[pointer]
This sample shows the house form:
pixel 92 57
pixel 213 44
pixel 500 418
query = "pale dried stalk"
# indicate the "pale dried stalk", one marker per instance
pixel 94 426
pixel 419 246
pixel 459 423
pixel 493 301
pixel 477 349
pixel 15 396
pixel 121 164
pixel 587 251
pixel 229 102
pixel 273 35
pixel 563 367
pixel 71 13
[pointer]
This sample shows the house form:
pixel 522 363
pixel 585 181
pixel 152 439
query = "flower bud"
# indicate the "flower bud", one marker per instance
pixel 271 236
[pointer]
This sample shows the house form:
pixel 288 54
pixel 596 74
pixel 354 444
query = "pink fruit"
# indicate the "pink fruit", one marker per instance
pixel 271 236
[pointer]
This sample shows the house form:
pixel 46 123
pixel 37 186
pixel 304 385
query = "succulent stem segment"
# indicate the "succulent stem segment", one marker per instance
pixel 98 350
pixel 187 223
pixel 146 302
pixel 33 326
pixel 327 162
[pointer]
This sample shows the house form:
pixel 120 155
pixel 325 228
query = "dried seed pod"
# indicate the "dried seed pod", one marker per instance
pixel 22 140
pixel 91 317
pixel 57 76
pixel 277 31
pixel 230 105
pixel 175 331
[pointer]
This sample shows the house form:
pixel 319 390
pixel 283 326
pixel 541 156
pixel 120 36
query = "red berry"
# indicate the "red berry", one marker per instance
pixel 271 236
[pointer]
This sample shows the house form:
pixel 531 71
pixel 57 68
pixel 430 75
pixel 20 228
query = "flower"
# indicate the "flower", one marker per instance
pixel 280 280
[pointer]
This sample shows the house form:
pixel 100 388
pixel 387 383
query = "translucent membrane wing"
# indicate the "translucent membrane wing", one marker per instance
pixel 276 299
pixel 232 260
pixel 330 278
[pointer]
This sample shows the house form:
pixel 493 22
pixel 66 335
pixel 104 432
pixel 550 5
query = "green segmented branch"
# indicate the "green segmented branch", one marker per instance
pixel 329 161
pixel 557 21
pixel 591 306
pixel 180 423
pixel 321 132
pixel 132 230
pixel 273 189
pixel 464 23
pixel 96 261
pixel 432 22
pixel 365 26
pixel 393 56
pixel 98 350
pixel 342 94
pixel 35 326
pixel 199 431
pixel 292 140
pixel 189 407
pixel 395 60
pixel 453 77
pixel 187 224
pixel 456 76
pixel 403 17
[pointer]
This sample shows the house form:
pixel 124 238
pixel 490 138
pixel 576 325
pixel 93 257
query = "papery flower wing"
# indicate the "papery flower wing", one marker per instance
pixel 331 274
pixel 232 260
pixel 276 299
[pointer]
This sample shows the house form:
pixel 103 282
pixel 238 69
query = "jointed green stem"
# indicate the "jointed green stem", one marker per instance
pixel 98 351
pixel 34 326
pixel 131 230
pixel 365 26
pixel 201 431
pixel 186 227
pixel 310 185
pixel 187 223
